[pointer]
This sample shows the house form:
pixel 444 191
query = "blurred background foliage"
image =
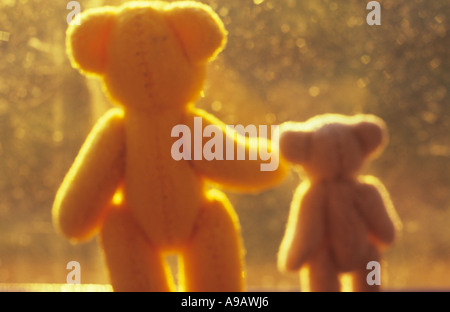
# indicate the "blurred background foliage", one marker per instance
pixel 285 60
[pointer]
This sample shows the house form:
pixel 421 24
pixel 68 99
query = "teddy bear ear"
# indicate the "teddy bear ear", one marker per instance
pixel 371 134
pixel 200 30
pixel 295 145
pixel 86 42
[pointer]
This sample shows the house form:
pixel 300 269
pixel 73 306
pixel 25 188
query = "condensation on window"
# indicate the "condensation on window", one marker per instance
pixel 284 60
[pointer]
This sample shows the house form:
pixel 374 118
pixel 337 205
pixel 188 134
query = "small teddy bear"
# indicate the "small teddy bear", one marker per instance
pixel 338 221
pixel 125 183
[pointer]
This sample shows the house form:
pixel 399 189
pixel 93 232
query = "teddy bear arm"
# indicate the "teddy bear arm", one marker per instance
pixel 86 191
pixel 239 174
pixel 378 211
pixel 305 229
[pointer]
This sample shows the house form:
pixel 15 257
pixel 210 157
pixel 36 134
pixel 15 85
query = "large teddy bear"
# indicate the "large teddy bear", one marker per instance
pixel 339 221
pixel 125 183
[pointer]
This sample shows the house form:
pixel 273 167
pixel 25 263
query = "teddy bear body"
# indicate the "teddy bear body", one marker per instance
pixel 339 221
pixel 125 184
pixel 166 219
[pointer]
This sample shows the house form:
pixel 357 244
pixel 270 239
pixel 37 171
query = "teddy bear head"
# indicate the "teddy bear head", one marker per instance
pixel 332 146
pixel 151 55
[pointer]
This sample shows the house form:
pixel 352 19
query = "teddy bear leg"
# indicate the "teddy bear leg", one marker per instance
pixel 360 276
pixel 133 264
pixel 322 273
pixel 212 260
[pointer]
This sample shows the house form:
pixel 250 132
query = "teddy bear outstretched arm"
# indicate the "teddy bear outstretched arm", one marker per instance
pixel 251 174
pixel 305 229
pixel 377 209
pixel 88 188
